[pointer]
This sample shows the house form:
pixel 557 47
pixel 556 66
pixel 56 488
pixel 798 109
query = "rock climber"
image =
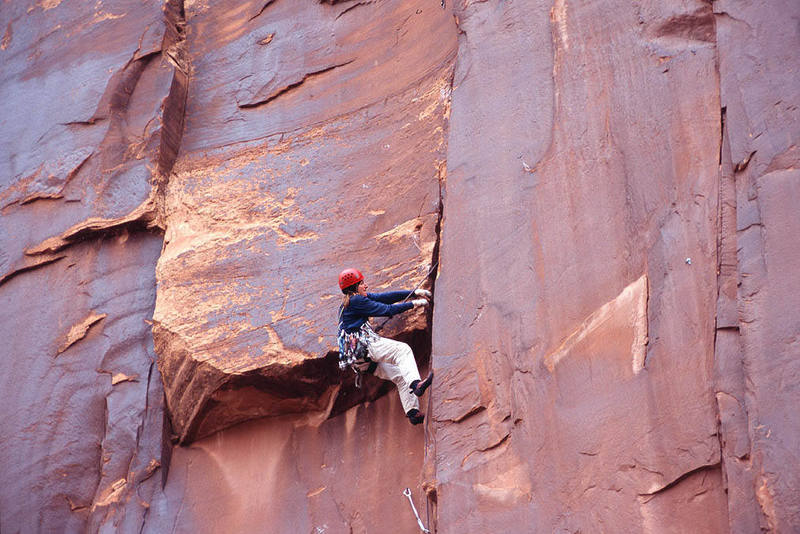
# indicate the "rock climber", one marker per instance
pixel 386 358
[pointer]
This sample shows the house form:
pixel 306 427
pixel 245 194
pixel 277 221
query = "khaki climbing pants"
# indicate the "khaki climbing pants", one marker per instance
pixel 396 362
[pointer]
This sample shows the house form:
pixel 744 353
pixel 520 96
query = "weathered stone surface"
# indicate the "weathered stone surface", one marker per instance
pixel 91 108
pixel 95 129
pixel 346 475
pixel 758 385
pixel 77 449
pixel 601 177
pixel 611 190
pixel 303 155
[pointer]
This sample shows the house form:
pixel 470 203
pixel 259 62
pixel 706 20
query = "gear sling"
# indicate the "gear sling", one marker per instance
pixel 354 349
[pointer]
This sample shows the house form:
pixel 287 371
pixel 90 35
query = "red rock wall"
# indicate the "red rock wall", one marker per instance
pixel 758 356
pixel 304 149
pixel 575 352
pixel 91 103
pixel 607 192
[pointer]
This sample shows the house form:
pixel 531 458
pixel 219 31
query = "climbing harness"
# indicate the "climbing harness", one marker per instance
pixel 407 493
pixel 354 346
pixel 354 349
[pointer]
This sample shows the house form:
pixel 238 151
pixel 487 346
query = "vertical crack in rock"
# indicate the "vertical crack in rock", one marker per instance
pixel 429 484
pixel 174 113
pixel 428 476
pixel 111 504
pixel 729 370
pixel 722 112
pixel 103 498
pixel 148 215
pixel 442 183
pixel 136 479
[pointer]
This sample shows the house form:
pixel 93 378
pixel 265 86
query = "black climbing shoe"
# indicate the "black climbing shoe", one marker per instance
pixel 414 416
pixel 418 388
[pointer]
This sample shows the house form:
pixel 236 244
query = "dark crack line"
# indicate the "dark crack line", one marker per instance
pixel 5 278
pixel 290 87
pixel 101 453
pixel 461 418
pixel 700 469
pixel 723 112
pixel 88 122
pixel 139 430
pixel 260 11
pixel 353 7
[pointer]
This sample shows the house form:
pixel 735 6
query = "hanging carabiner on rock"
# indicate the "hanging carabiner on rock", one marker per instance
pixel 407 493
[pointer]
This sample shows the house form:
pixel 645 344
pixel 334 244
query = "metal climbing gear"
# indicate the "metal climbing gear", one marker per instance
pixel 407 493
pixel 354 349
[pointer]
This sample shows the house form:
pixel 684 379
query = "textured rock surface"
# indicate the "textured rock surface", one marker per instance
pixel 346 475
pixel 575 384
pixel 610 191
pixel 760 375
pixel 91 106
pixel 80 435
pixel 88 132
pixel 315 139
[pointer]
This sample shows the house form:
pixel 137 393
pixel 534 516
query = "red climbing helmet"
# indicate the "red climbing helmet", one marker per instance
pixel 348 277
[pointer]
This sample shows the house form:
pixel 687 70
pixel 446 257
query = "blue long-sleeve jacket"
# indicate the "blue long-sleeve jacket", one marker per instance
pixel 361 308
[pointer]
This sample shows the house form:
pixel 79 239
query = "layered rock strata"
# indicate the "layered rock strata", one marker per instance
pixel 315 140
pixel 606 193
pixel 91 103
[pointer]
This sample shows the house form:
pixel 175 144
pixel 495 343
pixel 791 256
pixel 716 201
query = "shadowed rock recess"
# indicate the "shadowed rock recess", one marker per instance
pixel 602 197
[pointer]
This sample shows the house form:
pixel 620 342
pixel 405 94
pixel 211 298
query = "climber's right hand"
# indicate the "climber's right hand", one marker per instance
pixel 419 302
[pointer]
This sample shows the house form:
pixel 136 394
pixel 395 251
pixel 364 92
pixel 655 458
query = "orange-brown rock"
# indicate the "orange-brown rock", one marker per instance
pixel 758 355
pixel 91 106
pixel 302 157
pixel 607 194
pixel 575 354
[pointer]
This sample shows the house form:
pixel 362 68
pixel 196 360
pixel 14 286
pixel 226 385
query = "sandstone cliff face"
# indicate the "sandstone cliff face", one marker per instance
pixel 606 194
pixel 319 155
